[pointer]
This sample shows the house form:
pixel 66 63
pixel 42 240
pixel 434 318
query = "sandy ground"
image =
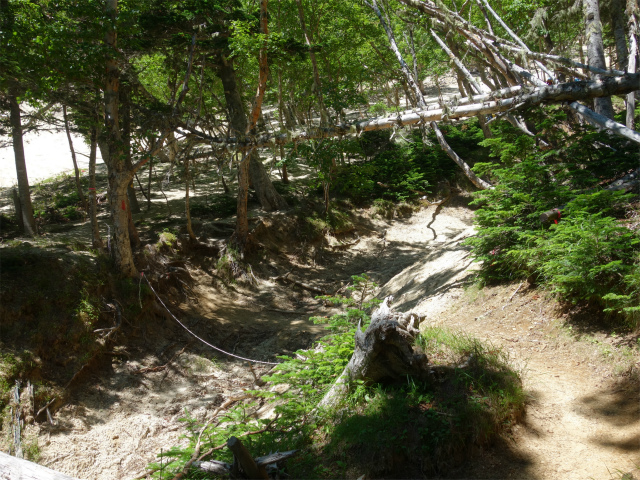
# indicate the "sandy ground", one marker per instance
pixel 47 154
pixel 582 419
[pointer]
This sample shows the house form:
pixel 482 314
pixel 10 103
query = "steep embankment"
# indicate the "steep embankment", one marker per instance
pixel 581 422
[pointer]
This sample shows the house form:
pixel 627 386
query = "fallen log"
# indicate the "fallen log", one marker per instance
pixel 251 468
pixel 12 468
pixel 493 102
pixel 384 351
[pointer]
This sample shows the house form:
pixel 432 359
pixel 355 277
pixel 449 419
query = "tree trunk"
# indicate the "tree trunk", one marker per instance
pixel 125 114
pixel 269 198
pixel 420 100
pixel 633 56
pixel 21 166
pixel 149 184
pixel 317 85
pixel 241 233
pixel 394 48
pixel 192 235
pixel 510 99
pixel 477 181
pixel 18 208
pixel 267 195
pixel 119 177
pixel 595 52
pixel 73 158
pixel 96 240
pixel 617 25
pixel 600 121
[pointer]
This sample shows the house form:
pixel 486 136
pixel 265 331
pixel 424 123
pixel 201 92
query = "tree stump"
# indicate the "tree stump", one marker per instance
pixel 384 352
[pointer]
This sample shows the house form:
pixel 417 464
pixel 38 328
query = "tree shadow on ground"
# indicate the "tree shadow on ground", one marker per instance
pixel 438 429
pixel 617 404
pixel 586 319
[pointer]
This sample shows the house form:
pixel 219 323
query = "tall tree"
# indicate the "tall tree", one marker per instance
pixel 616 12
pixel 595 52
pixel 26 209
pixel 12 38
pixel 119 176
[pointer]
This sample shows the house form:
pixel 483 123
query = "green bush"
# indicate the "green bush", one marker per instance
pixel 409 168
pixel 589 255
pixel 63 200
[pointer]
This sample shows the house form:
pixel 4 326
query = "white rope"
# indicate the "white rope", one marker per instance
pixel 196 336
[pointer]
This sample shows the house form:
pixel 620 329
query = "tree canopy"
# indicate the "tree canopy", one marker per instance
pixel 145 72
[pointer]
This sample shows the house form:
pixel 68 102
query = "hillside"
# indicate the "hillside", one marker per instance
pixel 581 382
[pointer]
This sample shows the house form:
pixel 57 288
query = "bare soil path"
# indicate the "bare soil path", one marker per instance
pixel 582 421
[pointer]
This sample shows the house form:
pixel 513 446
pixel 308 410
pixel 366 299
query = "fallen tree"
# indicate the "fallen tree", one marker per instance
pixel 503 100
pixel 15 468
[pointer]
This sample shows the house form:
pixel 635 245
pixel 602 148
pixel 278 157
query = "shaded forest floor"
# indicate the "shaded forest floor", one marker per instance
pixel 582 419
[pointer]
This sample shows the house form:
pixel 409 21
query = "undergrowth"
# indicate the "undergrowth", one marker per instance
pixel 590 253
pixel 400 429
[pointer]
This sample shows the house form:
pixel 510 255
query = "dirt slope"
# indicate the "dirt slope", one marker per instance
pixel 582 421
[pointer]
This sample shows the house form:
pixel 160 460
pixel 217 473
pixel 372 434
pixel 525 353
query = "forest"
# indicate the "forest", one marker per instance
pixel 320 239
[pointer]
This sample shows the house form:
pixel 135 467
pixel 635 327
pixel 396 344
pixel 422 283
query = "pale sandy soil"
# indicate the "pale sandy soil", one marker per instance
pixel 47 154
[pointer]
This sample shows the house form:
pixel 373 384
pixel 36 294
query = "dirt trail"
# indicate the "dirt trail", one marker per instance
pixel 582 422
pixel 583 419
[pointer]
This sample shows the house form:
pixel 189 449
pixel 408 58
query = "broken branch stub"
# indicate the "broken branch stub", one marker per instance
pixel 383 352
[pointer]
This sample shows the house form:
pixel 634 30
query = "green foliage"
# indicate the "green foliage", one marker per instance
pixel 299 383
pixel 430 423
pixel 406 169
pixel 12 366
pixel 62 200
pixel 589 255
pixel 315 224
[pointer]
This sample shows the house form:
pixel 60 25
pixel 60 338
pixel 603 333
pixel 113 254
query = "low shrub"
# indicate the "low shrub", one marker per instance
pixel 589 254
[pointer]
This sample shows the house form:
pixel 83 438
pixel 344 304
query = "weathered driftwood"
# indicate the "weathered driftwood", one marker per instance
pixel 274 458
pixel 12 468
pixel 384 351
pixel 213 466
pixel 550 215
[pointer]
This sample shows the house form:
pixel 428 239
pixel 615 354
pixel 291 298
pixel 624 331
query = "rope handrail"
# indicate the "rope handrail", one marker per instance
pixel 196 336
